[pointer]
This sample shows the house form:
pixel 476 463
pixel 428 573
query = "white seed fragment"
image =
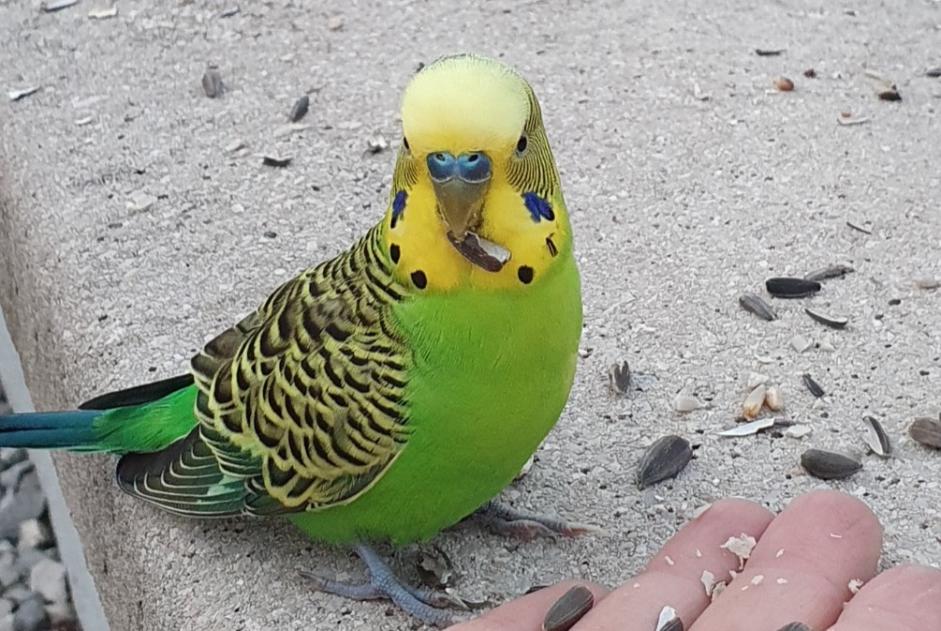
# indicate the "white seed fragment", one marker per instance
pixel 800 343
pixel 834 535
pixel 757 579
pixel 779 553
pixel 669 561
pixel 708 580
pixel 756 379
pixel 103 14
pixel 745 588
pixel 782 581
pixel 636 585
pixel 685 402
pixel 753 402
pixel 774 399
pixel 698 553
pixel 798 431
pixel 741 547
pixel 717 590
pixel 855 585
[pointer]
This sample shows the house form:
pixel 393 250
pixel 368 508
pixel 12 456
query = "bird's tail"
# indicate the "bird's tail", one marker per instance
pixel 52 430
pixel 129 424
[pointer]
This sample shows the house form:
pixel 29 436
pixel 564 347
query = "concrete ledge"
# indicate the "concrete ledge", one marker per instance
pixel 128 235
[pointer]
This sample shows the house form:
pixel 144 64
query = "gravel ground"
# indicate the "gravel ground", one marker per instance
pixel 133 230
pixel 34 594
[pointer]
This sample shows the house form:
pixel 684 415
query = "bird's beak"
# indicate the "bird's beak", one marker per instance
pixel 460 186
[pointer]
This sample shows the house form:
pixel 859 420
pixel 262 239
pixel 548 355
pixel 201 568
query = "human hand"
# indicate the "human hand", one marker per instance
pixel 806 557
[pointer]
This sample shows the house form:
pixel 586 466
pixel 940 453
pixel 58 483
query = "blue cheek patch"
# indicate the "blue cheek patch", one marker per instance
pixel 538 208
pixel 398 207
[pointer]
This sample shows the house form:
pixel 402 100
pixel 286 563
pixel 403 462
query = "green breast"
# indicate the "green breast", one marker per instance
pixel 492 372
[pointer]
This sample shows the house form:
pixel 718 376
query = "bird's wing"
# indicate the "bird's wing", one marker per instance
pixel 302 402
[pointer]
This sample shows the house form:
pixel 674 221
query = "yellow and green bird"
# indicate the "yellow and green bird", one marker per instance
pixel 394 390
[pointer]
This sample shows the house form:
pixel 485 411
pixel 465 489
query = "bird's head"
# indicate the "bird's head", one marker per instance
pixel 476 198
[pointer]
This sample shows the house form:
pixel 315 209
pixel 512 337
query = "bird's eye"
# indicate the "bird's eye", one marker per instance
pixel 405 143
pixel 521 144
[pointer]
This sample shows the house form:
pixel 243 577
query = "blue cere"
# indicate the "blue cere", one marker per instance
pixel 538 208
pixel 398 207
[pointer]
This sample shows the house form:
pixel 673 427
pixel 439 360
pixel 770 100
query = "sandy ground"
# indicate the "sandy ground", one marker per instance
pixel 130 234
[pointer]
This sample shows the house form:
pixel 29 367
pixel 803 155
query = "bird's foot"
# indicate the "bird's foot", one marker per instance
pixel 424 604
pixel 507 521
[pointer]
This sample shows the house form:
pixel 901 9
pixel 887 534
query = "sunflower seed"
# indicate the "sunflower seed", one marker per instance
pixel 769 52
pixel 854 585
pixel 16 95
pixel 791 287
pixel 212 83
pixel 834 322
pixel 568 609
pixel 812 385
pixel 829 465
pixel 668 620
pixel 795 626
pixel 229 12
pixel 299 110
pixel 57 5
pixel 747 429
pixel 751 407
pixel 876 438
pixel 664 459
pixel 774 399
pixel 832 271
pixel 754 304
pixel 708 580
pixel 273 161
pixel 926 431
pixel 783 84
pixel 619 377
pixel 892 94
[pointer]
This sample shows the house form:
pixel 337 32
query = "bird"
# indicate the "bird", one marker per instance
pixel 393 391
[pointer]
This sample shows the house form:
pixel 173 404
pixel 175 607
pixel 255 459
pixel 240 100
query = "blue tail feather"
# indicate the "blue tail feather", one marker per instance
pixel 50 430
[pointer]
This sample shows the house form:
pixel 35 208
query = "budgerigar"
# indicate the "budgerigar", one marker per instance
pixel 394 390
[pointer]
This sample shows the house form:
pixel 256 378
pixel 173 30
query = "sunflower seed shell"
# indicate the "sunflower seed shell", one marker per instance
pixel 812 385
pixel 299 110
pixel 784 287
pixel 568 609
pixel 833 271
pixel 619 377
pixel 664 459
pixel 668 620
pixel 876 438
pixel 926 431
pixel 834 322
pixel 774 399
pixel 212 83
pixel 795 626
pixel 829 465
pixel 747 429
pixel 754 304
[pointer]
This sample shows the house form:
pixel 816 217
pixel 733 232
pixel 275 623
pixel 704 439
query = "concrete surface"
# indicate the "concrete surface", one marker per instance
pixel 679 205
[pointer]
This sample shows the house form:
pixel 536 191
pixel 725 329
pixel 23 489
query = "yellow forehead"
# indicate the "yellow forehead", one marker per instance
pixel 464 103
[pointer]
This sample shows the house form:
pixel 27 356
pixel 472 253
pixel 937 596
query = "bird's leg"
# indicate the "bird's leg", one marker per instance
pixel 507 521
pixel 421 603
